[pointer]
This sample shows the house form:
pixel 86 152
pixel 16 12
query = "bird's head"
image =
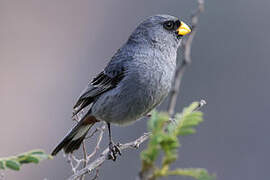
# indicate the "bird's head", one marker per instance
pixel 161 30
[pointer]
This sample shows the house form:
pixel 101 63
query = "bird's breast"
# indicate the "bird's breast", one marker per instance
pixel 146 83
pixel 151 80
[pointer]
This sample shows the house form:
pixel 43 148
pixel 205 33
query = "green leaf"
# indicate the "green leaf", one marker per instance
pixel 15 162
pixel 188 119
pixel 12 164
pixel 164 138
pixel 186 131
pixel 157 121
pixel 37 151
pixel 169 158
pixel 2 165
pixel 197 173
pixel 169 142
pixel 40 154
pixel 29 159
pixel 171 127
pixel 152 120
pixel 43 156
pixel 150 155
pixel 190 108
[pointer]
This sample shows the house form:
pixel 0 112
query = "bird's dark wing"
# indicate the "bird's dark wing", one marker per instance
pixel 103 82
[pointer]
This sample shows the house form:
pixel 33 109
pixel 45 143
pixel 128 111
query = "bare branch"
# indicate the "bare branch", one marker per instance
pixel 201 104
pixel 186 46
pixel 75 163
pixel 92 134
pixel 98 142
pixel 97 174
pixel 88 157
pixel 104 156
pixel 71 159
pixel 84 157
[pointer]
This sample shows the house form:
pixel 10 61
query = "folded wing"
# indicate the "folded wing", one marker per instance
pixel 103 82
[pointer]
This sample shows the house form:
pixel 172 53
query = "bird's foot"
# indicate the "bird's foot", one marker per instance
pixel 114 150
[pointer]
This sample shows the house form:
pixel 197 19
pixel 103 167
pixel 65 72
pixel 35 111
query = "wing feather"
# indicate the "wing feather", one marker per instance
pixel 101 83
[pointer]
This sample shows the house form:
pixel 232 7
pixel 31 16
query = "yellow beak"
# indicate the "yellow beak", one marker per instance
pixel 183 29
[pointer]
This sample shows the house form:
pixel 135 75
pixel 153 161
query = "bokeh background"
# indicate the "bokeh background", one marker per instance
pixel 49 50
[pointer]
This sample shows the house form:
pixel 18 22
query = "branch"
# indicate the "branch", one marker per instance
pixel 84 156
pixel 98 143
pixel 75 163
pixel 186 45
pixel 87 158
pixel 104 156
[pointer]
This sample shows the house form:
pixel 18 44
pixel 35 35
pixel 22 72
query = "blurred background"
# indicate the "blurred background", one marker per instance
pixel 49 51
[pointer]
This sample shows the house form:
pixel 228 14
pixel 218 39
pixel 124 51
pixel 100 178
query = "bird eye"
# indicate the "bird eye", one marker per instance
pixel 169 25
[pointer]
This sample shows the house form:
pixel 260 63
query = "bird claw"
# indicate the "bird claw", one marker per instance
pixel 114 150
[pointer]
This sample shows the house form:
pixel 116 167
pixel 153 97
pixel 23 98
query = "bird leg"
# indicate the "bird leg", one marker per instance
pixel 114 148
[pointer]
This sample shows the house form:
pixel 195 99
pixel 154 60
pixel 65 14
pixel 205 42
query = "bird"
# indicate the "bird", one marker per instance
pixel 137 78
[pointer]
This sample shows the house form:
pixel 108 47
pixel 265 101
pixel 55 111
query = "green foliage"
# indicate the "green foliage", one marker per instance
pixel 164 138
pixel 196 173
pixel 186 121
pixel 15 162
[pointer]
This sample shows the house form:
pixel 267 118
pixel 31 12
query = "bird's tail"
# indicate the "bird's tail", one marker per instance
pixel 76 135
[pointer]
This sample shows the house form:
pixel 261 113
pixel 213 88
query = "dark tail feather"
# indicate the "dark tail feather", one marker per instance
pixel 75 137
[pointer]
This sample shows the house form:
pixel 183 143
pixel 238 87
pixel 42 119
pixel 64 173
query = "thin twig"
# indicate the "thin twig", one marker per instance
pixel 98 142
pixel 75 163
pixel 104 156
pixel 92 134
pixel 87 157
pixel 84 157
pixel 77 118
pixel 70 160
pixel 186 46
pixel 201 104
pixel 97 174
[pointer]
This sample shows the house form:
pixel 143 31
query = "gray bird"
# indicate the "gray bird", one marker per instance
pixel 136 80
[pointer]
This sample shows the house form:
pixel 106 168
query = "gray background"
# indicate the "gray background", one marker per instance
pixel 50 49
